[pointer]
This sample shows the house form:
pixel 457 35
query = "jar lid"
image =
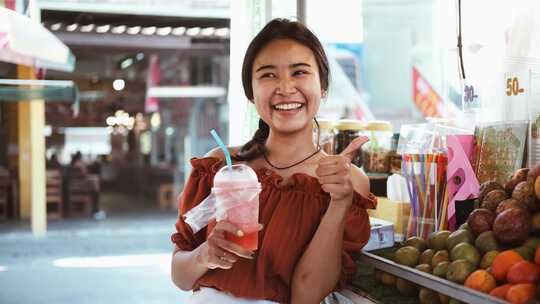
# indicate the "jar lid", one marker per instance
pixel 350 124
pixel 379 125
pixel 325 123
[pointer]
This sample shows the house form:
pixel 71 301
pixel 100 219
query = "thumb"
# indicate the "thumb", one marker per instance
pixel 351 150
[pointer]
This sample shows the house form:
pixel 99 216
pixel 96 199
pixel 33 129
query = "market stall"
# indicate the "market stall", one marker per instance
pixel 459 219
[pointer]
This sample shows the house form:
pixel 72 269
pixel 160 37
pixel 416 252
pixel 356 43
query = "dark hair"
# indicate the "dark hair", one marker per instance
pixel 277 29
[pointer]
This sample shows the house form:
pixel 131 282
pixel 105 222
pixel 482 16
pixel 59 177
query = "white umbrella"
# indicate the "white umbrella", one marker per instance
pixel 27 42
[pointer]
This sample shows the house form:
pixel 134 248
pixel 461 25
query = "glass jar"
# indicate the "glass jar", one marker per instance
pixel 347 131
pixel 395 158
pixel 376 153
pixel 326 135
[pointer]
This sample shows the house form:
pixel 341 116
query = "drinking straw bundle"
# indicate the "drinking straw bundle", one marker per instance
pixel 426 184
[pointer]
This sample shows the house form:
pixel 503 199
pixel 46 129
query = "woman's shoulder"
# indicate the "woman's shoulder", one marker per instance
pixel 218 153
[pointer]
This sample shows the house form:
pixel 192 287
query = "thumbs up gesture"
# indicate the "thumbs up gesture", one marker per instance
pixel 334 171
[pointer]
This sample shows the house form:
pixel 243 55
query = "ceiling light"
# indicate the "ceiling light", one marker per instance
pixel 139 56
pixel 56 26
pixel 164 31
pixel 209 31
pixel 194 31
pixel 179 31
pixel 111 121
pixel 119 84
pixel 222 32
pixel 134 30
pixel 103 28
pixel 71 27
pixel 87 28
pixel 119 29
pixel 151 30
pixel 126 63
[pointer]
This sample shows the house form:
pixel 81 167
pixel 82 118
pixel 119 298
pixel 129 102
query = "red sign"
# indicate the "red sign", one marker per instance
pixel 425 98
pixel 151 104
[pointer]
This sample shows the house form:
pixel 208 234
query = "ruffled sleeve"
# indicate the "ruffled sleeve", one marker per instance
pixel 195 191
pixel 356 236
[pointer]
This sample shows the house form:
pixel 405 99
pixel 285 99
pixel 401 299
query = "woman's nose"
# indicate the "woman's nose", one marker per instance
pixel 286 86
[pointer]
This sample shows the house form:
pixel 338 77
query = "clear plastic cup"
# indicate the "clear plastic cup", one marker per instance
pixel 236 190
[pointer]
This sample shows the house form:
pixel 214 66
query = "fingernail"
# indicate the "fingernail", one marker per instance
pixel 240 233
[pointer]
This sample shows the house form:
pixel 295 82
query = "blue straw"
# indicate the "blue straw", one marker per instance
pixel 223 147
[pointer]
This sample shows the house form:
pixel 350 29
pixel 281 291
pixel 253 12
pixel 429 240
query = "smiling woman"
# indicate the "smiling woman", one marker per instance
pixel 311 205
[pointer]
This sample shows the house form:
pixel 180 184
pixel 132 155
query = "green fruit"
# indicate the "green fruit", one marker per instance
pixel 426 256
pixel 444 299
pixel 416 242
pixel 459 270
pixel 459 236
pixel 378 276
pixel 388 279
pixel 406 288
pixel 440 256
pixel 486 241
pixel 467 252
pixel 428 296
pixel 441 269
pixel 532 242
pixel 437 240
pixel 407 256
pixel 535 223
pixel 424 268
pixel 464 226
pixel 525 252
pixel 488 258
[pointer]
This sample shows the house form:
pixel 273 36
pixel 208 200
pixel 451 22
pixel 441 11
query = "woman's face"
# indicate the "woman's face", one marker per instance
pixel 286 86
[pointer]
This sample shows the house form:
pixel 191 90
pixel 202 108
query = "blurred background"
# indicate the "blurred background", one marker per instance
pixel 104 102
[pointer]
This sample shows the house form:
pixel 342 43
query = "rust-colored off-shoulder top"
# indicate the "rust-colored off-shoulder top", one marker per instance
pixel 290 214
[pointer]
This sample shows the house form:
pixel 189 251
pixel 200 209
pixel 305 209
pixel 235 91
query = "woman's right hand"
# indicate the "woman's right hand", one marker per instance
pixel 218 252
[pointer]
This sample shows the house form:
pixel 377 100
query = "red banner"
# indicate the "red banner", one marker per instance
pixel 151 104
pixel 425 98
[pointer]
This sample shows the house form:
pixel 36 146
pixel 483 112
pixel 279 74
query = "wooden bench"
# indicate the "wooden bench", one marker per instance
pixel 55 200
pixel 80 197
pixel 4 197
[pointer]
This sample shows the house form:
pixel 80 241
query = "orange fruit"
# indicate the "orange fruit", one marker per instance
pixel 523 272
pixel 481 280
pixel 502 262
pixel 501 291
pixel 521 293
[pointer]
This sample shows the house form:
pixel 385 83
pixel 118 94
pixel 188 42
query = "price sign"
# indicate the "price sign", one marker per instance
pixel 470 96
pixel 516 94
pixel 512 87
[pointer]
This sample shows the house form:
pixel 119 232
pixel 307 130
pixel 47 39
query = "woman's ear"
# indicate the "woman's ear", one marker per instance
pixel 323 93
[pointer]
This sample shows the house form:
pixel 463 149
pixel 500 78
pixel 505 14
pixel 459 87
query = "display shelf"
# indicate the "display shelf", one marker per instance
pixel 437 284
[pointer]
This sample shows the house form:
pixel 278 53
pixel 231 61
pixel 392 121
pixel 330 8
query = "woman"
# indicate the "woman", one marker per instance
pixel 312 206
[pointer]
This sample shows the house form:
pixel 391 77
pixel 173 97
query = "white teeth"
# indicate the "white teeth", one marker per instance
pixel 288 106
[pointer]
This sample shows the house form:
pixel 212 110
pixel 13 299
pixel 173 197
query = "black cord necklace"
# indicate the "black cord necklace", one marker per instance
pixel 295 164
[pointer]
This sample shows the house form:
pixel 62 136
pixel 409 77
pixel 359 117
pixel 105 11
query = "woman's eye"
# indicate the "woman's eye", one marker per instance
pixel 268 75
pixel 300 72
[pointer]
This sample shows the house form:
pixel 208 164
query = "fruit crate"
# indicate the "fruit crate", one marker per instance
pixel 435 283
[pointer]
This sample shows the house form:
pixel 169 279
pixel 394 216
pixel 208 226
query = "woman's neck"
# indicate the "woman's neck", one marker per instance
pixel 287 148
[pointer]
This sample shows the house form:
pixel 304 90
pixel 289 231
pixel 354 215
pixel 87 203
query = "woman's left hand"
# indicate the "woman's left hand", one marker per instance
pixel 334 172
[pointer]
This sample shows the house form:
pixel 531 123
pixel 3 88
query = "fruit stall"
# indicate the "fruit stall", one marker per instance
pixel 466 224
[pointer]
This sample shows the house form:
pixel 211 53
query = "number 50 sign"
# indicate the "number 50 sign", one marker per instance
pixel 516 91
pixel 512 87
